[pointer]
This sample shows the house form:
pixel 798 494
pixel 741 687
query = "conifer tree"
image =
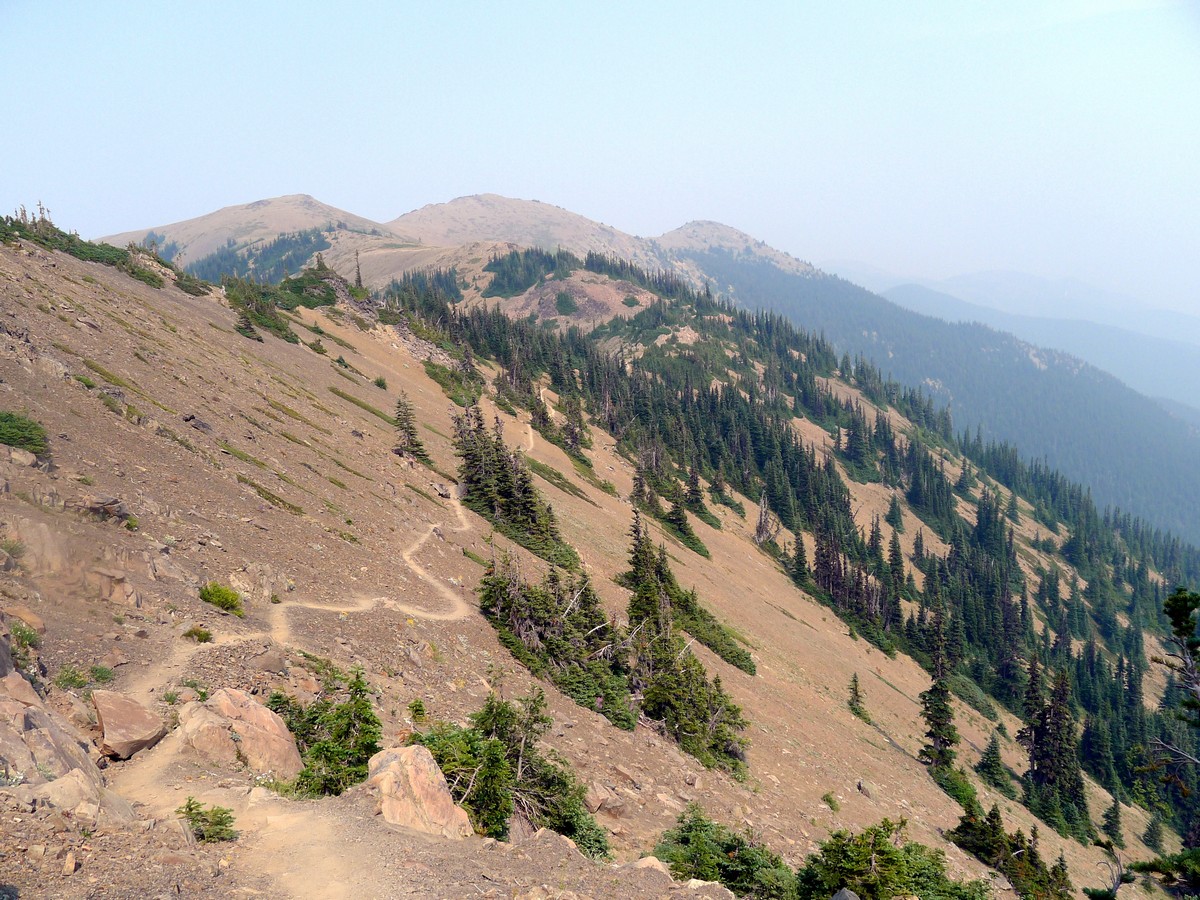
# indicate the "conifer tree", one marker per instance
pixel 941 735
pixel 991 768
pixel 1112 824
pixel 856 701
pixel 799 568
pixel 1153 838
pixel 406 429
pixel 894 516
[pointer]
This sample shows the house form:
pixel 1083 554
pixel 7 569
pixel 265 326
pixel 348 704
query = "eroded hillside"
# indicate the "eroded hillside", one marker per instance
pixel 182 453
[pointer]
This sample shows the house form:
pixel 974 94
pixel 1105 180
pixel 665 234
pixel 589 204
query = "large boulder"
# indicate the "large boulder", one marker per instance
pixel 232 727
pixel 413 793
pixel 125 725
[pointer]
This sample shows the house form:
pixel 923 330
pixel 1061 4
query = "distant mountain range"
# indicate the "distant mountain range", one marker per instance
pixel 1155 366
pixel 1052 405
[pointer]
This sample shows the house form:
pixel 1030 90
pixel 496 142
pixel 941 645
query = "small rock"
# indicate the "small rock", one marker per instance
pixel 20 457
pixel 653 864
pixel 69 864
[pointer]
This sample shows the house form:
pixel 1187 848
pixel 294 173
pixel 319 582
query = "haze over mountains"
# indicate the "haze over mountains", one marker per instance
pixel 1081 419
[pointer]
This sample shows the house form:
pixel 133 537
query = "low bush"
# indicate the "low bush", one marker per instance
pixel 335 740
pixel 878 864
pixel 208 825
pixel 23 433
pixel 198 634
pixel 698 847
pixel 223 598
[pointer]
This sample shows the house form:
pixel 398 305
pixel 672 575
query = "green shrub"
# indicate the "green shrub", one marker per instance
pixel 496 766
pixel 222 597
pixel 955 783
pixel 23 433
pixel 698 847
pixel 102 674
pixel 879 864
pixel 416 709
pixel 335 740
pixel 380 382
pixel 198 634
pixel 831 801
pixel 207 825
pixel 565 304
pixel 69 677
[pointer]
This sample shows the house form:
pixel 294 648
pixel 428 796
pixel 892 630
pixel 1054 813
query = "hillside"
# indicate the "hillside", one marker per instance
pixel 268 466
pixel 1078 418
pixel 1081 420
pixel 1156 367
pixel 248 224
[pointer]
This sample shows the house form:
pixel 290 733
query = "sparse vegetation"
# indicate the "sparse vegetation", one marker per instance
pixel 223 598
pixel 70 678
pixel 462 388
pixel 23 433
pixel 199 634
pixel 208 825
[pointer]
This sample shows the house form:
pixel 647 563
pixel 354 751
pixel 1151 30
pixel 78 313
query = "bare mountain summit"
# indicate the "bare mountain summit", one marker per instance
pixel 250 223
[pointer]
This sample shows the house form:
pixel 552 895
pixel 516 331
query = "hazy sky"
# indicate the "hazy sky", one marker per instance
pixel 926 138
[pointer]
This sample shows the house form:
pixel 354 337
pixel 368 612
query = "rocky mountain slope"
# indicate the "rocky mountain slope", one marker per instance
pixel 248 224
pixel 181 453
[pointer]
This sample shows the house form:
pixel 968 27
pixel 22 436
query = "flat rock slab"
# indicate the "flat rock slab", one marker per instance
pixel 125 724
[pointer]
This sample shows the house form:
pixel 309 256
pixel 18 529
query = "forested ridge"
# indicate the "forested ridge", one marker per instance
pixel 1081 420
pixel 721 408
pixel 713 420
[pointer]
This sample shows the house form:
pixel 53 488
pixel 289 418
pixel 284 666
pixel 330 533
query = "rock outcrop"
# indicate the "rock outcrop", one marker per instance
pixel 413 793
pixel 125 725
pixel 231 727
pixel 43 761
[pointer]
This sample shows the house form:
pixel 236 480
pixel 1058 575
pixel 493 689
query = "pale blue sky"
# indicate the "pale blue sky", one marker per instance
pixel 926 138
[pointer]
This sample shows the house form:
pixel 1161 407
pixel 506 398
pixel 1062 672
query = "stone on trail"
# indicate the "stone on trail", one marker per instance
pixel 413 793
pixel 125 724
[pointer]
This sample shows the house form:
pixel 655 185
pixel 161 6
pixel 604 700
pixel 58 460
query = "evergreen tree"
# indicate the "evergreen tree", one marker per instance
pixel 894 516
pixel 408 440
pixel 992 770
pixel 1153 838
pixel 857 701
pixel 942 736
pixel 1112 824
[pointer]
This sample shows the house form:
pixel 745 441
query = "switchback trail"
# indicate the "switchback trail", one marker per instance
pixel 279 628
